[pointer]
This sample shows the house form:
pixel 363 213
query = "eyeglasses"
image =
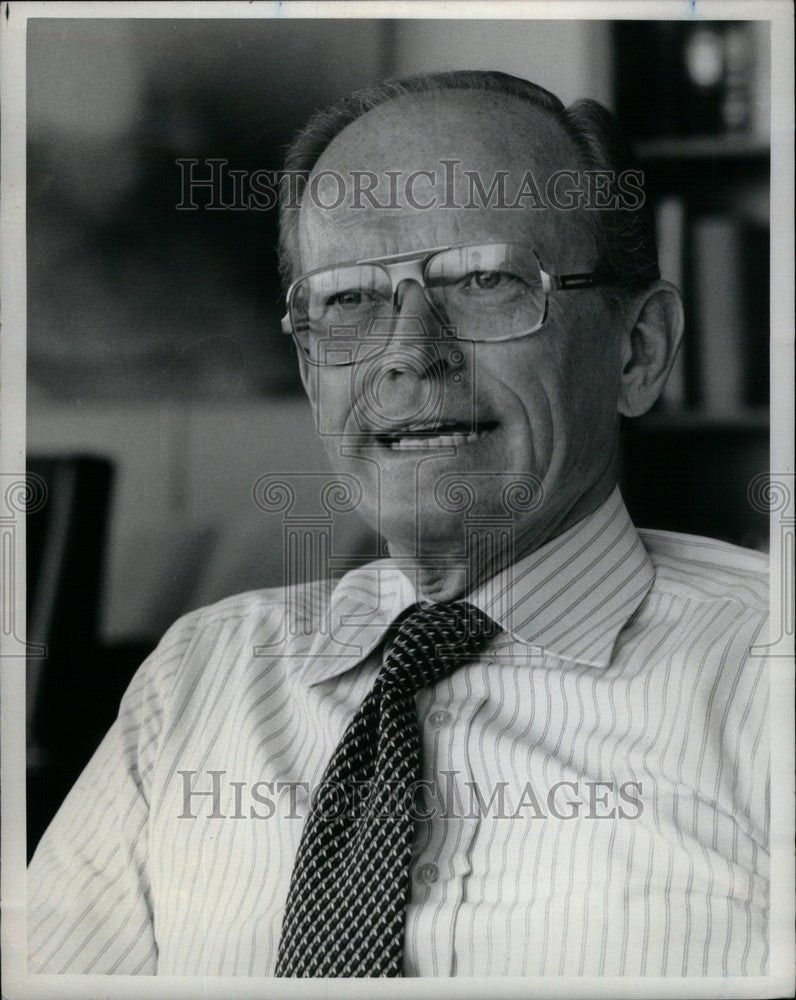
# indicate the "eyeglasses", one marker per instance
pixel 483 291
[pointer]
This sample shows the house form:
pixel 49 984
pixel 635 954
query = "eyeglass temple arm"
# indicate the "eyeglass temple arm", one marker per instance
pixel 570 282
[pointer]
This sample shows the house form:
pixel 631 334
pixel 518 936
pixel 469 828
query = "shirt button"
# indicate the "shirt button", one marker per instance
pixel 439 718
pixel 427 873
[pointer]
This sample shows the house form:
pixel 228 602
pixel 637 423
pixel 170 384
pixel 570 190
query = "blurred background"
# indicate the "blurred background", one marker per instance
pixel 160 388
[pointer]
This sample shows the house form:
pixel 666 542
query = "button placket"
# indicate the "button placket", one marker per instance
pixel 440 861
pixel 475 698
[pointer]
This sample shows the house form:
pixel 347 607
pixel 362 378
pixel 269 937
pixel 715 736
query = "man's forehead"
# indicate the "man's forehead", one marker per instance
pixel 414 131
pixel 445 148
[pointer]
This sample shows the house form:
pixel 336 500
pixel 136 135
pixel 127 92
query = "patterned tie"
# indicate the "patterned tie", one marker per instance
pixel 350 884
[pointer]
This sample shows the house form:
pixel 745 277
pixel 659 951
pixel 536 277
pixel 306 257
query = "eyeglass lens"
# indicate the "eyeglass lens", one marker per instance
pixel 487 292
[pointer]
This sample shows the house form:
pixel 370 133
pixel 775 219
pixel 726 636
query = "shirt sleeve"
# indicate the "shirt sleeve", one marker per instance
pixel 89 892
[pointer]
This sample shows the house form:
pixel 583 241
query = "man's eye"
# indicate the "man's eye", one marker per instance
pixel 348 299
pixel 488 281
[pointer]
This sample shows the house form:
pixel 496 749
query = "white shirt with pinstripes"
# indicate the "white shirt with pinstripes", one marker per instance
pixel 597 780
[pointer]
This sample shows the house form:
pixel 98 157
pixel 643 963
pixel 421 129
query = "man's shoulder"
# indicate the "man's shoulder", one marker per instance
pixel 257 625
pixel 302 603
pixel 704 569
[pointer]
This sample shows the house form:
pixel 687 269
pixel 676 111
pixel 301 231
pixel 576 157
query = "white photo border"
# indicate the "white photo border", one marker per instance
pixel 17 984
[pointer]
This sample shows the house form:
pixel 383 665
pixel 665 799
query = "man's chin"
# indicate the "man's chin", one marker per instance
pixel 424 533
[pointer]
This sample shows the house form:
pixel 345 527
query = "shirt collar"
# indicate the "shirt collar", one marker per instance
pixel 571 597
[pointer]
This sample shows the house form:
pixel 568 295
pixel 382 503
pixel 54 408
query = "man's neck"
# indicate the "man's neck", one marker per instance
pixel 437 576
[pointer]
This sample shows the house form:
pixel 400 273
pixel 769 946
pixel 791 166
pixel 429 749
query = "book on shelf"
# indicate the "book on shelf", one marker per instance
pixel 761 80
pixel 718 306
pixel 730 307
pixel 670 231
pixel 757 313
pixel 720 263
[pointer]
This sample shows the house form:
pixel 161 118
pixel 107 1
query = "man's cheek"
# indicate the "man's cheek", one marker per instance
pixel 329 391
pixel 307 373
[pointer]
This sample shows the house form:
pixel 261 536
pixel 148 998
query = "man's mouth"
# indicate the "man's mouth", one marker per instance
pixel 438 435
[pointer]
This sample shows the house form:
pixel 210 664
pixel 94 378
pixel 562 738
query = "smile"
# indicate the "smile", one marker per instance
pixel 428 438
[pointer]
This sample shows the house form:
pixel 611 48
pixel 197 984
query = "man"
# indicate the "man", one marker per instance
pixel 567 709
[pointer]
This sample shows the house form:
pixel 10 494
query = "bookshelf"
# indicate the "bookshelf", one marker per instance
pixel 694 99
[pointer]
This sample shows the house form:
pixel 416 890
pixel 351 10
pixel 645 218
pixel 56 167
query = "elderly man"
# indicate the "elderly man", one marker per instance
pixel 531 740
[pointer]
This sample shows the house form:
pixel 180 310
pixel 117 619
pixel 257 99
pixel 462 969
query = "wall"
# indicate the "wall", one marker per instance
pixel 570 58
pixel 186 529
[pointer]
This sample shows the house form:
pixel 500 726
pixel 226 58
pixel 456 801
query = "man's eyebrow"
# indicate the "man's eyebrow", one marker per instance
pixel 348 221
pixel 377 224
pixel 343 221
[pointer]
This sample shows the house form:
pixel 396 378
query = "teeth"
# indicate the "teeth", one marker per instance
pixel 427 443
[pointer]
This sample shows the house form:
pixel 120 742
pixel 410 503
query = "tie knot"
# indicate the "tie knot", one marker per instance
pixel 432 641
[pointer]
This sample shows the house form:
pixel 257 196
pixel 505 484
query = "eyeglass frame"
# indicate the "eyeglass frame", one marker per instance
pixel 411 266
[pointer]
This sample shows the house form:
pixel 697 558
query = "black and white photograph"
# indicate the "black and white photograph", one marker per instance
pixel 398 516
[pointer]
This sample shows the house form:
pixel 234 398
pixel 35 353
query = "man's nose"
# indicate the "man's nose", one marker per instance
pixel 412 300
pixel 407 380
pixel 416 335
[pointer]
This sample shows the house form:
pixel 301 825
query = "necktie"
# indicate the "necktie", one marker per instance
pixel 350 883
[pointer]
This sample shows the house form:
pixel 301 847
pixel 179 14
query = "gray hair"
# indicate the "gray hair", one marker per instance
pixel 625 236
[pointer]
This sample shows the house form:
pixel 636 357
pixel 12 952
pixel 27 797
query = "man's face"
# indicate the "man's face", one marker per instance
pixel 541 406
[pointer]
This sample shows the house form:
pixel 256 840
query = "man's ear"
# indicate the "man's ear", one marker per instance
pixel 650 342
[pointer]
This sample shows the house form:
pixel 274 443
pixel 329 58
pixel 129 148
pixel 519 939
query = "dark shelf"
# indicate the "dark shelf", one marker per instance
pixel 703 147
pixel 746 420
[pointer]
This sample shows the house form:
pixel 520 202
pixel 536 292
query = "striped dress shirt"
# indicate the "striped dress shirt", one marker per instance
pixel 594 798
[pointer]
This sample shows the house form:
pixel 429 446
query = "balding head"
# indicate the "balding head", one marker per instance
pixel 435 152
pixel 625 238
